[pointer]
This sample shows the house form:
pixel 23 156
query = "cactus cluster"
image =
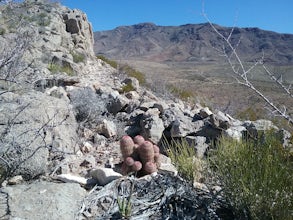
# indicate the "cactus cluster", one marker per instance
pixel 139 155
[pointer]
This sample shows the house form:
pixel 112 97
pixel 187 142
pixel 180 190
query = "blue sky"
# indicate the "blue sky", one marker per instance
pixel 266 14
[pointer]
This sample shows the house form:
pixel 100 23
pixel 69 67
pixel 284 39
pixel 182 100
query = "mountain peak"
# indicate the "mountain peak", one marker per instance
pixel 197 41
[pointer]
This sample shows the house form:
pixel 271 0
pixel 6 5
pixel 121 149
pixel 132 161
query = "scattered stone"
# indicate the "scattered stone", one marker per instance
pixel 107 128
pixel 165 159
pixel 161 106
pixel 88 134
pixel 116 102
pixel 146 105
pixel 285 137
pixel 200 186
pixel 15 180
pixel 88 162
pixel 133 82
pixel 168 168
pixel 100 140
pixel 205 112
pixel 133 95
pixel 183 126
pixel 58 92
pixel 110 163
pixel 86 147
pixel 235 132
pixel 254 127
pixel 220 120
pixel 199 143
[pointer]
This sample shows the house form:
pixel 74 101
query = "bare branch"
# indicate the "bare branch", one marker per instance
pixel 241 72
pixel 279 81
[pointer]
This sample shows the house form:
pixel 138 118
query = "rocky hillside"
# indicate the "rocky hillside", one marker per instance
pixel 190 42
pixel 46 38
pixel 63 113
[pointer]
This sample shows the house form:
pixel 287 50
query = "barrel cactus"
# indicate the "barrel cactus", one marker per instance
pixel 139 155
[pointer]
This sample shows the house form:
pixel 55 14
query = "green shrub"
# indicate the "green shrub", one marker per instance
pixel 78 57
pixel 183 156
pixel 57 68
pixel 181 93
pixel 128 70
pixel 257 177
pixel 127 88
pixel 2 31
pixel 43 21
pixel 54 68
pixel 2 173
pixel 251 113
pixel 106 60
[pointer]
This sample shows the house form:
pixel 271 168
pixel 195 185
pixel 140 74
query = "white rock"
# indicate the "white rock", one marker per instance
pixel 168 168
pixel 132 95
pixel 15 180
pixel 235 132
pixel 165 159
pixel 69 178
pixel 104 175
pixel 107 128
pixel 58 92
pixel 201 186
pixel 86 147
pixel 205 112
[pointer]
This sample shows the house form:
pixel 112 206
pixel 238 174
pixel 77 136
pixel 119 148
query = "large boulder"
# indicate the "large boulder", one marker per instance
pixel 41 200
pixel 32 125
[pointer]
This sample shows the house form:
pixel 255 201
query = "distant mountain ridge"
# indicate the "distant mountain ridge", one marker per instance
pixel 191 42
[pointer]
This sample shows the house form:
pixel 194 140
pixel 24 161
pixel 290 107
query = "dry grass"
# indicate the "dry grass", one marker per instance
pixel 184 158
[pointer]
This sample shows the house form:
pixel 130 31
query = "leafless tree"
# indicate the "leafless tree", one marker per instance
pixel 241 72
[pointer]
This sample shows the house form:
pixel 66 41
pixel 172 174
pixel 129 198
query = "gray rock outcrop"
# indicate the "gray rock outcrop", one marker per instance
pixel 41 200
pixel 32 125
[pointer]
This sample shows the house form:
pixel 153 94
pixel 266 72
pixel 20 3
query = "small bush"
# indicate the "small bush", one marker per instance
pixel 2 173
pixel 127 88
pixel 78 57
pixel 181 93
pixel 251 113
pixel 2 31
pixel 110 62
pixel 57 68
pixel 257 177
pixel 183 156
pixel 128 70
pixel 42 19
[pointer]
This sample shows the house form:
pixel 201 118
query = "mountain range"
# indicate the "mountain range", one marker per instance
pixel 191 42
